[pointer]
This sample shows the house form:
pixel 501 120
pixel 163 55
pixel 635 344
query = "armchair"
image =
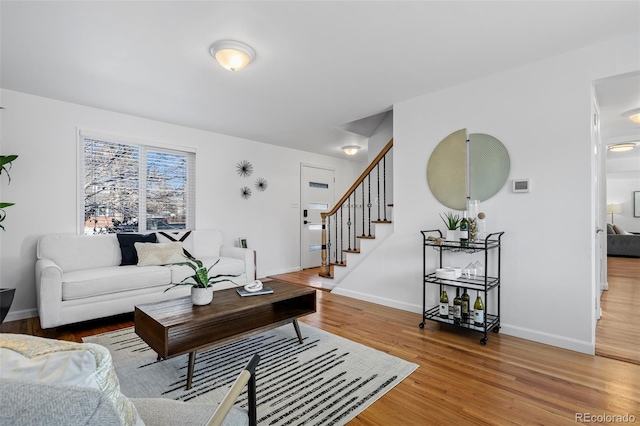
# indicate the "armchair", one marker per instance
pixel 51 382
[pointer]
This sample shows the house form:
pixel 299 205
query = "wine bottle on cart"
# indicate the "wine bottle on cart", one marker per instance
pixel 478 312
pixel 464 230
pixel 464 312
pixel 444 305
pixel 457 308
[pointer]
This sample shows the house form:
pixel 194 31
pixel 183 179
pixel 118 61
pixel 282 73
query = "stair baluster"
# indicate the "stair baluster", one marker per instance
pixel 336 239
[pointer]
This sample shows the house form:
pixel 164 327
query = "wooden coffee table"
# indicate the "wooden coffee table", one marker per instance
pixel 176 327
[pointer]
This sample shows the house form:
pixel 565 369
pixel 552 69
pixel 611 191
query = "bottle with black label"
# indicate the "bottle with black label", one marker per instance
pixel 464 230
pixel 478 312
pixel 457 308
pixel 465 307
pixel 444 305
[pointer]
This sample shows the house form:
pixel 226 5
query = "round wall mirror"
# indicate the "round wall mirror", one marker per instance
pixel 486 164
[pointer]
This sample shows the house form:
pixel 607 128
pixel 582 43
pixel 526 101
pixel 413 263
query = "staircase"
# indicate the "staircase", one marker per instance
pixel 358 223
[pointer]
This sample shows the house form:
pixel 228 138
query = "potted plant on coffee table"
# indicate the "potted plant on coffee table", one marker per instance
pixel 453 222
pixel 202 285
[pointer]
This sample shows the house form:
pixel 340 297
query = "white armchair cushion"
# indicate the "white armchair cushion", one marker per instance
pixel 35 359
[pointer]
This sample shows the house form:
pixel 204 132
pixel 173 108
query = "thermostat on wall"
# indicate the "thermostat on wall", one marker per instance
pixel 520 185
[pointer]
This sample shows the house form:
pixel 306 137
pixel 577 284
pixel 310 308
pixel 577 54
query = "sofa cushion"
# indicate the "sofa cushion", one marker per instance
pixel 226 266
pixel 73 252
pixel 150 254
pixel 127 248
pixel 114 279
pixel 207 243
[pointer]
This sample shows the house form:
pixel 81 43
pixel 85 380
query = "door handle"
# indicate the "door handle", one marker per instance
pixel 599 230
pixel 305 222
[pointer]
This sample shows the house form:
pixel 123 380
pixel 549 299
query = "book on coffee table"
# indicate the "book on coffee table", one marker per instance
pixel 265 290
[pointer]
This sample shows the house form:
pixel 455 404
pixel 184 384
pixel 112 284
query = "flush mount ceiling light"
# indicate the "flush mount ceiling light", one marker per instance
pixel 232 55
pixel 350 149
pixel 620 147
pixel 633 115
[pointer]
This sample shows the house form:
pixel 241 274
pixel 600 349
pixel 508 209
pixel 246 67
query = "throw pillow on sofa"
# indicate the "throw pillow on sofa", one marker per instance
pixel 183 237
pixel 127 241
pixel 151 254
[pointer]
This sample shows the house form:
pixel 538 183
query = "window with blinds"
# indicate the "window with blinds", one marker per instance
pixel 132 187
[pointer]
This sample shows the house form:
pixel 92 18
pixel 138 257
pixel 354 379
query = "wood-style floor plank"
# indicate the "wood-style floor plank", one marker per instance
pixel 458 381
pixel 618 330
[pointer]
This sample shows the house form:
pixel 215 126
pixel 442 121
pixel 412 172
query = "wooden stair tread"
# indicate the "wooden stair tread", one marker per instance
pixel 344 264
pixel 380 221
pixel 366 237
pixel 352 251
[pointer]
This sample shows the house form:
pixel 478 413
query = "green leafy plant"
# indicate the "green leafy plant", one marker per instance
pixel 5 165
pixel 201 278
pixel 452 221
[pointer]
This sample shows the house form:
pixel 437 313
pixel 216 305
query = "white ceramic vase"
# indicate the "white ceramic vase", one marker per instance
pixel 452 235
pixel 201 296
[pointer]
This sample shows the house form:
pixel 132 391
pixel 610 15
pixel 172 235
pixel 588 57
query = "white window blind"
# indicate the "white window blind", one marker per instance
pixel 134 187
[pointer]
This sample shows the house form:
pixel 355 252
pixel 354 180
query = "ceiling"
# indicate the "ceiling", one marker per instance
pixel 325 71
pixel 615 96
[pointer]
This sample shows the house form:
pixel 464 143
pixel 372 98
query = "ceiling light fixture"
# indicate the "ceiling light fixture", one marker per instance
pixel 621 147
pixel 350 149
pixel 633 115
pixel 232 55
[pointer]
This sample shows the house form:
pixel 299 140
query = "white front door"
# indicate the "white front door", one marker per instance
pixel 317 195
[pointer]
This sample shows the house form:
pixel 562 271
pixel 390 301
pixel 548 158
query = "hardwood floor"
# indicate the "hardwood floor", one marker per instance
pixel 508 381
pixel 617 332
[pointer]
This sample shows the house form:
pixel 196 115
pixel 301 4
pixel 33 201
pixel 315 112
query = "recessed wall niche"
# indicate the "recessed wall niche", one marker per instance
pixel 460 168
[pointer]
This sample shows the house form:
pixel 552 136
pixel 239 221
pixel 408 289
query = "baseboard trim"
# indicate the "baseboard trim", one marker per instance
pixel 378 300
pixel 549 339
pixel 281 271
pixel 523 333
pixel 20 315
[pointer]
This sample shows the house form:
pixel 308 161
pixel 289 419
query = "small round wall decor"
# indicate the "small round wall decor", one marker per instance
pixel 244 168
pixel 261 184
pixel 245 192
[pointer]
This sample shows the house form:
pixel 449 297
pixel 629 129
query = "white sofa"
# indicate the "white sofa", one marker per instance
pixel 79 277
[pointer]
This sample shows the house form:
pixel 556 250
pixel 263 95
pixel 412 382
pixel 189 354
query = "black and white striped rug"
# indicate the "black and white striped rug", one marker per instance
pixel 327 380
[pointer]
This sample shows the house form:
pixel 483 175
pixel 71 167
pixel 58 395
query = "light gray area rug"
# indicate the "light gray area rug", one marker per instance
pixel 327 380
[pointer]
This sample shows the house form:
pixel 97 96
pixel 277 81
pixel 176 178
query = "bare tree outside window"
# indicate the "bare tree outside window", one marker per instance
pixel 122 180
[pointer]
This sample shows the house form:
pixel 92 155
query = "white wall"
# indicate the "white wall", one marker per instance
pixel 380 137
pixel 43 133
pixel 541 113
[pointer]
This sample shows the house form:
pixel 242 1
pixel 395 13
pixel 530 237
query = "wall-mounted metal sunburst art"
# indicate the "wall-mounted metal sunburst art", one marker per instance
pixel 244 168
pixel 245 192
pixel 261 184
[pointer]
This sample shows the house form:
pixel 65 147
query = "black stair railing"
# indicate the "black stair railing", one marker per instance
pixel 355 223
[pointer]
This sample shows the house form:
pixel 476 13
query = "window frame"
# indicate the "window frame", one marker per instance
pixel 144 146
